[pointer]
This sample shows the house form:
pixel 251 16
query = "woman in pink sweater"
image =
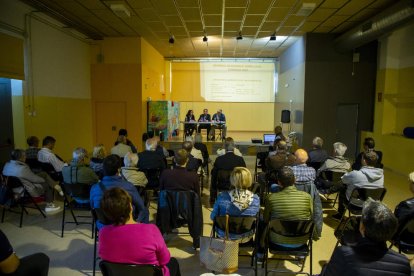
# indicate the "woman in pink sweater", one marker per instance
pixel 129 242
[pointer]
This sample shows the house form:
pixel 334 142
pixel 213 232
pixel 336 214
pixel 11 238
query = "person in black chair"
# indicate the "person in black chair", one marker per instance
pixel 317 155
pixel 198 144
pixel 189 119
pixel 124 132
pixel 36 185
pixel 33 149
pixel 405 210
pixel 193 162
pixel 151 161
pixel 180 178
pixel 78 171
pixel 130 242
pixel 46 155
pixel 206 119
pixel 370 256
pixel 369 145
pixel 32 265
pixel 225 162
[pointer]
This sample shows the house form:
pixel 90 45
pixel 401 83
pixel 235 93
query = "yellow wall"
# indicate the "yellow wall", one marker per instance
pixel 395 109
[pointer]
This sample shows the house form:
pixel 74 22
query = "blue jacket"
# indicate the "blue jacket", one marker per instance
pixel 223 206
pixel 117 181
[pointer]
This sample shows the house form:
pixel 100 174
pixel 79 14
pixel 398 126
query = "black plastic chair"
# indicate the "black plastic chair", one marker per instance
pixel 404 238
pixel 153 176
pixel 260 163
pixel 97 215
pixel 80 193
pixel 315 165
pixel 23 199
pixel 334 181
pixel 291 229
pixel 116 269
pixel 48 168
pixel 354 207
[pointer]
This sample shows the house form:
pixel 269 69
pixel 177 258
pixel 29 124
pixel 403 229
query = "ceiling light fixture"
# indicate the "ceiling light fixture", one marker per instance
pixel 171 40
pixel 240 37
pixel 205 38
pixel 273 37
pixel 120 10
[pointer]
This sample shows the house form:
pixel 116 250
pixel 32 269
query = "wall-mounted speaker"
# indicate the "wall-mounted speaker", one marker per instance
pixel 285 116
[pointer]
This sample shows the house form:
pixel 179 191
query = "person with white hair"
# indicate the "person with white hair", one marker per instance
pixel 150 159
pixel 78 171
pixel 121 148
pixel 98 155
pixel 337 162
pixel 130 171
pixel 317 153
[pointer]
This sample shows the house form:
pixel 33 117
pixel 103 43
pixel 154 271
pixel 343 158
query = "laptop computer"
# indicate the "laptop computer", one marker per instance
pixel 268 139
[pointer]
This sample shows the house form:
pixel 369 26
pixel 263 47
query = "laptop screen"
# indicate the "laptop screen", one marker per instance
pixel 268 138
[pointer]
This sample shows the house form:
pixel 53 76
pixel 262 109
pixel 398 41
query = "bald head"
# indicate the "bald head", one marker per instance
pixel 301 156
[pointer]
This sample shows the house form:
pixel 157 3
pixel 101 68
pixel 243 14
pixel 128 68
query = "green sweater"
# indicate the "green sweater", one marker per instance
pixel 288 204
pixel 79 174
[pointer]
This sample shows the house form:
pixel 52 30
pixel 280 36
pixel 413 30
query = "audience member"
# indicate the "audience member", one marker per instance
pixel 111 166
pixel 239 201
pixel 405 210
pixel 317 154
pixel 46 154
pixel 226 162
pixel 336 163
pixel 189 125
pixel 130 171
pixel 78 171
pixel 161 150
pixel 121 147
pixel 32 265
pixel 33 149
pixel 222 151
pixel 124 132
pixel 193 162
pixel 219 122
pixel 275 162
pixel 149 159
pixel 369 145
pixel 180 178
pixel 129 242
pixel 302 172
pixel 198 144
pixel 370 256
pixel 367 177
pixel 204 121
pixel 279 132
pixel 273 148
pixel 36 185
pixel 96 161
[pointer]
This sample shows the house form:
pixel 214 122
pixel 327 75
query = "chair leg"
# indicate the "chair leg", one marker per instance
pixel 63 220
pixel 311 258
pixel 94 253
pixel 21 215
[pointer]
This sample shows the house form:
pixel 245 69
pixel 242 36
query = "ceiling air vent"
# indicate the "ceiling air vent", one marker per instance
pixel 306 9
pixel 120 10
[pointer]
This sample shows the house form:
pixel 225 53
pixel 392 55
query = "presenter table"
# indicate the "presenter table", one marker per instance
pixel 218 124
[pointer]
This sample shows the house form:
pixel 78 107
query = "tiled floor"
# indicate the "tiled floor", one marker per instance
pixel 73 254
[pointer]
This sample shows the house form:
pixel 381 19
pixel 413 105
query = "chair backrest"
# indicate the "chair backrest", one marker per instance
pixel 405 233
pixel 153 176
pixel 116 269
pixel 34 164
pixel 332 176
pixel 98 215
pixel 50 170
pixel 223 179
pixel 360 195
pixel 315 165
pixel 77 190
pixel 237 225
pixel 13 182
pixel 291 228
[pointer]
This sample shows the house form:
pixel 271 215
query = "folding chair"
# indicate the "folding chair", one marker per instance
pixel 97 215
pixel 290 229
pixel 404 238
pixel 334 181
pixel 116 269
pixel 80 193
pixel 153 176
pixel 354 207
pixel 23 198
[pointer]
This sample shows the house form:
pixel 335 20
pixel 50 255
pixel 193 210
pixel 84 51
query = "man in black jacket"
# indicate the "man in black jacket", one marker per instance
pixel 370 256
pixel 224 163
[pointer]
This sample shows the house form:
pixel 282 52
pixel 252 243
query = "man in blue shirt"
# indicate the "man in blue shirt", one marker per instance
pixel 220 123
pixel 111 165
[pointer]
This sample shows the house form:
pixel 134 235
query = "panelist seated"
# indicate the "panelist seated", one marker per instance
pixel 205 120
pixel 188 127
pixel 219 122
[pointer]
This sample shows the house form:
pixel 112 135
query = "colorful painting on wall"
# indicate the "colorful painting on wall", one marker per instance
pixel 163 118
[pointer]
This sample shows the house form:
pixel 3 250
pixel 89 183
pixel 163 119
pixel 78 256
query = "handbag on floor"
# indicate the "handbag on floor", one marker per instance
pixel 219 255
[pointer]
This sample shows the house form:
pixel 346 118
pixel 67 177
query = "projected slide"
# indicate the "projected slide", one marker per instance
pixel 237 81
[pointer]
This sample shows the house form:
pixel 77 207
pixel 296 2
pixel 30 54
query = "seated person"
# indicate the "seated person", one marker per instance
pixel 180 178
pixel 226 162
pixel 369 145
pixel 124 132
pixel 111 179
pixel 128 242
pixel 302 172
pixel 188 127
pixel 161 150
pixel 317 155
pixel 96 161
pixel 288 203
pixel 150 160
pixel 279 132
pixel 238 202
pixel 193 162
pixel 36 185
pixel 368 177
pixel 405 210
pixel 335 163
pixel 206 119
pixel 46 155
pixel 275 162
pixel 131 173
pixel 33 149
pixel 121 148
pixel 78 171
pixel 32 265
pixel 219 122
pixel 370 256
pixel 198 144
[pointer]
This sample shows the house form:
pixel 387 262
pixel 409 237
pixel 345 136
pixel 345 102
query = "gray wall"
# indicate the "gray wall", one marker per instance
pixel 329 82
